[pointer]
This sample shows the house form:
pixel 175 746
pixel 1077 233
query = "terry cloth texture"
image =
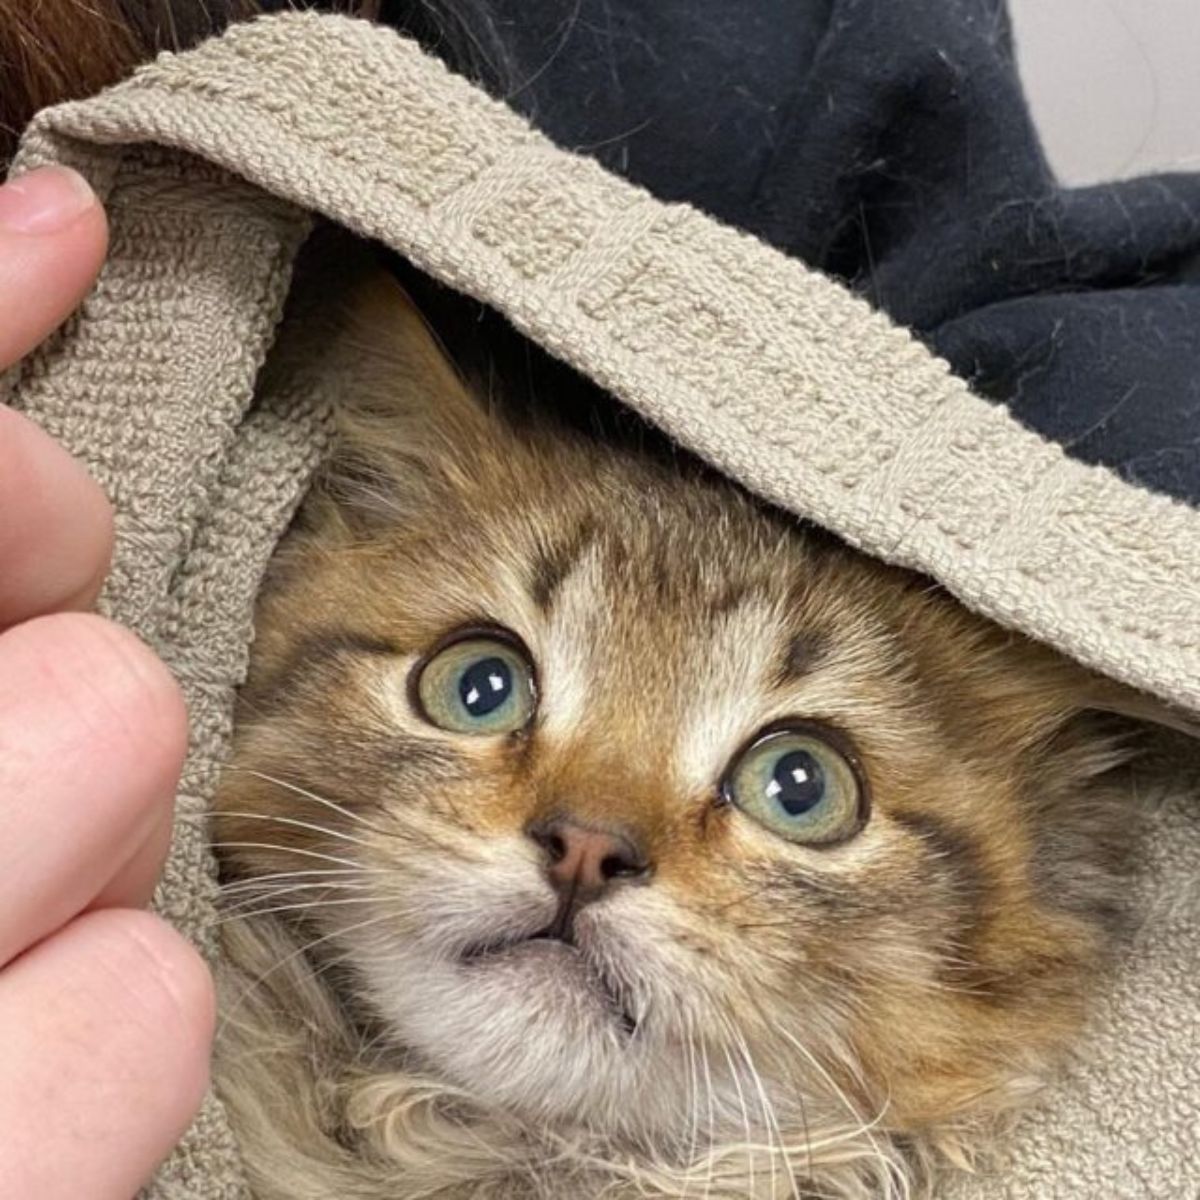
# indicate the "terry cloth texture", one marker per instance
pixel 212 163
pixel 888 143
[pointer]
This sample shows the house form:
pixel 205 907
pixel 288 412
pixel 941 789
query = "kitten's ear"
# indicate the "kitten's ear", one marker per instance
pixel 407 428
pixel 404 371
pixel 1085 690
pixel 1103 695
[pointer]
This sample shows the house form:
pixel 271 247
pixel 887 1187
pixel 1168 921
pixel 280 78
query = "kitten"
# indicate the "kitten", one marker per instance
pixel 594 830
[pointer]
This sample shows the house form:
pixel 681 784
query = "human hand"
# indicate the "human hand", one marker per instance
pixel 106 1013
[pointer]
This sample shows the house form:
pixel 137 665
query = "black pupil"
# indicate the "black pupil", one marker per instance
pixel 485 685
pixel 797 783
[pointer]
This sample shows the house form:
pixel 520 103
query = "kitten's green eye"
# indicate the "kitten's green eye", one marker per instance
pixel 479 685
pixel 799 786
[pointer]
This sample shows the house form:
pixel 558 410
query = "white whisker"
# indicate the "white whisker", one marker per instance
pixel 309 795
pixel 248 881
pixel 693 1105
pixel 251 896
pixel 333 858
pixel 293 823
pixel 262 912
pixel 712 1123
pixel 737 1083
pixel 768 1110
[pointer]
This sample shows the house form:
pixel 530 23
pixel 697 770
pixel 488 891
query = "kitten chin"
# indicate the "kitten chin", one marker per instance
pixel 592 829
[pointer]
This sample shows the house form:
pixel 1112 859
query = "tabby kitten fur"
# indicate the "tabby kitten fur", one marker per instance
pixel 735 1013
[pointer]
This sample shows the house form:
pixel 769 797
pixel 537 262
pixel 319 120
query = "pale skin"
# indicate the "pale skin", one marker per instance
pixel 106 1014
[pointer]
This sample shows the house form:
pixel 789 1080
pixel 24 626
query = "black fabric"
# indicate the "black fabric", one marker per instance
pixel 887 142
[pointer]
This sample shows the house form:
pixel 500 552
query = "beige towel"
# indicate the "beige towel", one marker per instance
pixel 211 163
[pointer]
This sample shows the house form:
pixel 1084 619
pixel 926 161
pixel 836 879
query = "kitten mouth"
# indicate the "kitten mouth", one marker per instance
pixel 550 943
pixel 494 947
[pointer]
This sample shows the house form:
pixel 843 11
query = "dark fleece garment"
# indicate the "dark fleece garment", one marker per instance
pixel 888 143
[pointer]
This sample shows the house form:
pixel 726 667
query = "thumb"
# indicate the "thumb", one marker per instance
pixel 53 237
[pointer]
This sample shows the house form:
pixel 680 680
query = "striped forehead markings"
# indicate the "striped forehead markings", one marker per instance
pixel 802 652
pixel 553 565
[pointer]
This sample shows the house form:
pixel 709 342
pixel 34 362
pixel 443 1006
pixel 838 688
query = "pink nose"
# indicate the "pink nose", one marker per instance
pixel 583 859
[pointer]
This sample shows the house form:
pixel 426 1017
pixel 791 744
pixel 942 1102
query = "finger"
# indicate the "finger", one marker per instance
pixel 133 877
pixel 107 1027
pixel 53 237
pixel 56 526
pixel 92 736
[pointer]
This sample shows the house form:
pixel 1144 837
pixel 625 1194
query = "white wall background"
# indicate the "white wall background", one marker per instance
pixel 1114 84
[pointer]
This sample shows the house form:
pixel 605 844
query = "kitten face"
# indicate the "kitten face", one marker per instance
pixel 608 906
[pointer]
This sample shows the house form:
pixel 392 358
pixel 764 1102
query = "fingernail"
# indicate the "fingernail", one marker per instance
pixel 44 201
